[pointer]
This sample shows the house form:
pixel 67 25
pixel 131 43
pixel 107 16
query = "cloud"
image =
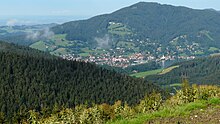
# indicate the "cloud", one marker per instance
pixel 40 35
pixel 11 22
pixel 47 33
pixel 104 42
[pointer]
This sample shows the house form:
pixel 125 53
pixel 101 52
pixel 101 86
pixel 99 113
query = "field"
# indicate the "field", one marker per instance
pixel 119 29
pixel 59 51
pixel 60 40
pixel 168 69
pixel 199 53
pixel 125 44
pixel 147 73
pixel 56 45
pixel 84 54
pixel 40 45
pixel 212 49
pixel 154 72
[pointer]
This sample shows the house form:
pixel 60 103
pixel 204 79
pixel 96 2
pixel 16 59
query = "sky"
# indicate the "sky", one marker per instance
pixel 80 9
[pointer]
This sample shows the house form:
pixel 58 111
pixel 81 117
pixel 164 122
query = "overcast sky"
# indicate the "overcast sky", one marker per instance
pixel 80 9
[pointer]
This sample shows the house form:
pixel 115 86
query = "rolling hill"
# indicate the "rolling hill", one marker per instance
pixel 153 21
pixel 150 29
pixel 40 82
pixel 198 71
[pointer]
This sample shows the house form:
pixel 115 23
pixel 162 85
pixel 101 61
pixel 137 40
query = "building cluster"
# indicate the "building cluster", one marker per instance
pixel 120 60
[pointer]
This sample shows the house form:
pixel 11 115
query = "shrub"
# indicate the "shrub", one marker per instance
pixel 190 94
pixel 150 102
pixel 118 109
pixel 108 112
pixel 127 111
pixel 91 116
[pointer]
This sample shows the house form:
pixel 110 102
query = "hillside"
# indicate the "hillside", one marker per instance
pixel 22 50
pixel 143 32
pixel 199 71
pixel 158 23
pixel 196 104
pixel 161 23
pixel 40 83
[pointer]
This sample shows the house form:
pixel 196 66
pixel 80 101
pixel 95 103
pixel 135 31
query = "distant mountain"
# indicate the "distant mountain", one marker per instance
pixel 37 82
pixel 153 21
pixel 199 71
pixel 23 34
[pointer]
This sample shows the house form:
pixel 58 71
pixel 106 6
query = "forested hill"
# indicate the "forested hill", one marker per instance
pixel 198 71
pixel 39 83
pixel 152 21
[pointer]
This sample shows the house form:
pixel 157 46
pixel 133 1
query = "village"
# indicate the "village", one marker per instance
pixel 121 60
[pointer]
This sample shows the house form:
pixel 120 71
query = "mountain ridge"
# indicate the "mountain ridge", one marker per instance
pixel 143 7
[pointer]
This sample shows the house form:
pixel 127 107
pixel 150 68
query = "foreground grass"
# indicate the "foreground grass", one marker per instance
pixel 166 112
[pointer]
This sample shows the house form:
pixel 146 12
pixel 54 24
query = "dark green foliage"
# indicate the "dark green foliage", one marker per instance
pixel 12 48
pixel 134 68
pixel 2 118
pixel 198 71
pixel 143 67
pixel 38 82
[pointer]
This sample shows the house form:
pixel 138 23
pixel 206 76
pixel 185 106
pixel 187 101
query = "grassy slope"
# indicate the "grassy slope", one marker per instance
pixel 169 69
pixel 119 29
pixel 154 72
pixel 147 73
pixel 183 113
pixel 60 51
pixel 40 45
pixel 57 45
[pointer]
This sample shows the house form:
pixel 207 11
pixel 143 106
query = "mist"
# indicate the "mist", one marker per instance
pixel 40 35
pixel 11 22
pixel 104 42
